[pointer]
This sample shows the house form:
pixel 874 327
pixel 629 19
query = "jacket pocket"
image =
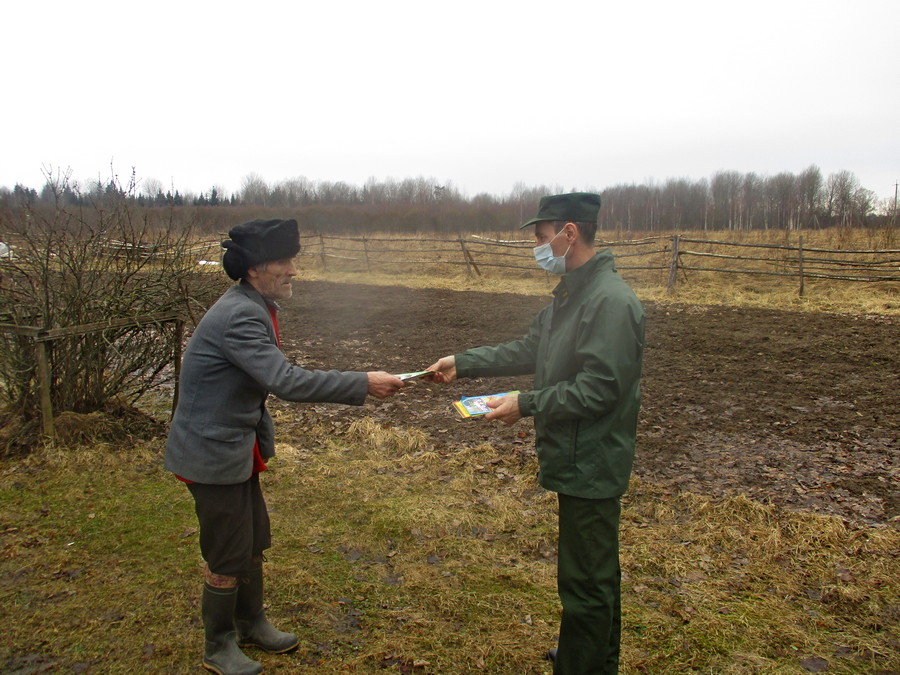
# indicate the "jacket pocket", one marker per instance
pixel 224 434
pixel 587 441
pixel 571 440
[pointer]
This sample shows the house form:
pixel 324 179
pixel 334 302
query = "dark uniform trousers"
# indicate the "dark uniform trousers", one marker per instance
pixel 589 580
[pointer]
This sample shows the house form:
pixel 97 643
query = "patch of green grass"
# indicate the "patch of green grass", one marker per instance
pixel 391 556
pixel 95 559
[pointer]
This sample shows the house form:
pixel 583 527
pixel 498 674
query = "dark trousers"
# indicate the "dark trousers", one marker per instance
pixel 234 525
pixel 589 581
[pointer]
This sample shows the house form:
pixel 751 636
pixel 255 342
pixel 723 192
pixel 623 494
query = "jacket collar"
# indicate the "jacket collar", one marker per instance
pixel 572 282
pixel 248 289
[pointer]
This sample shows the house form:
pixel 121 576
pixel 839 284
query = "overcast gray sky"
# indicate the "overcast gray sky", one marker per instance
pixel 482 94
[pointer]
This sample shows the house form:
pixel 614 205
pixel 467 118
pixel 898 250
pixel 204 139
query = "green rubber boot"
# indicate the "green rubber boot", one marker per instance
pixel 253 629
pixel 221 653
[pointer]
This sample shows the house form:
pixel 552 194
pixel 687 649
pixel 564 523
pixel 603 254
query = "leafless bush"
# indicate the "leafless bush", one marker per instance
pixel 97 265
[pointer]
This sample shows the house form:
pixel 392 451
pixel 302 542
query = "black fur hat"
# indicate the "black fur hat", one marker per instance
pixel 259 241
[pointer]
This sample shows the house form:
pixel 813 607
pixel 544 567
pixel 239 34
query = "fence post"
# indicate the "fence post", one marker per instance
pixel 800 267
pixel 673 267
pixel 470 261
pixel 462 245
pixel 322 250
pixel 366 253
pixel 43 375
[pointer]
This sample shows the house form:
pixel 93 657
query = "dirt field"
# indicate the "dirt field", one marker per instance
pixel 798 409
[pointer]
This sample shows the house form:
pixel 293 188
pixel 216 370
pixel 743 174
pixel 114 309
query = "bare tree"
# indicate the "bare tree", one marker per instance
pixel 254 190
pixel 293 192
pixel 809 187
pixel 151 187
pixel 782 197
pixel 840 189
pixel 725 192
pixel 104 264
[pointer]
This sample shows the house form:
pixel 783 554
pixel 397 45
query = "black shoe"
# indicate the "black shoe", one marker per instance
pixel 551 656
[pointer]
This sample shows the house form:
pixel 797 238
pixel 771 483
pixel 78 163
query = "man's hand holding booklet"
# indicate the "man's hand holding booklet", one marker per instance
pixel 475 406
pixel 471 406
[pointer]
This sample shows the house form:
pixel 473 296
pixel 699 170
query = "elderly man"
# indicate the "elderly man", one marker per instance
pixel 585 350
pixel 221 434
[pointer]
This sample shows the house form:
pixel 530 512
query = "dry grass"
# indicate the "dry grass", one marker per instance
pixel 693 287
pixel 393 556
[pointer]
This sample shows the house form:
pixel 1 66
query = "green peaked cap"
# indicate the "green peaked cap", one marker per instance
pixel 580 207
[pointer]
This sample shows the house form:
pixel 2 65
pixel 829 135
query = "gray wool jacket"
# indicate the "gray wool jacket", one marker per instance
pixel 231 364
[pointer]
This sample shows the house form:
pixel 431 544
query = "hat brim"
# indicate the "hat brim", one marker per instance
pixel 534 221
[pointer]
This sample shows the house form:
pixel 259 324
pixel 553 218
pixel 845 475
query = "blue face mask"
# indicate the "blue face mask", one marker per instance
pixel 543 254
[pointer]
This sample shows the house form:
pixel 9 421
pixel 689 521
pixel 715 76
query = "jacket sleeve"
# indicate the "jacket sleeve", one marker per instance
pixel 513 358
pixel 608 355
pixel 246 343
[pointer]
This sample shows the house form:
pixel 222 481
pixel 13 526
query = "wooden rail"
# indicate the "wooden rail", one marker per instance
pixel 664 253
pixel 41 336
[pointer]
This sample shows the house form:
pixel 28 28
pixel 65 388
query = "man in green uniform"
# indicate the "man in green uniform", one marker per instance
pixel 585 351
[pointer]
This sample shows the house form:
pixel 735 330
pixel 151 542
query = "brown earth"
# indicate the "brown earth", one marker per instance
pixel 793 408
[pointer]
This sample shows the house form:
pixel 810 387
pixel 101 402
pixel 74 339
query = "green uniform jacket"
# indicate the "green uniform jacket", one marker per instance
pixel 585 350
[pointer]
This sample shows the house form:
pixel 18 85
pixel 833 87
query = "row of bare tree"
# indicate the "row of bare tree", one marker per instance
pixel 735 201
pixel 729 200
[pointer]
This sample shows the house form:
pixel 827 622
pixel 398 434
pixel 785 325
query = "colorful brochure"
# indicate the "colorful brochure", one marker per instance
pixel 475 406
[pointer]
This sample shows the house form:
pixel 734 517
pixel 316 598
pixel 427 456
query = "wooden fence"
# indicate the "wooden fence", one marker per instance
pixel 798 262
pixel 669 256
pixel 41 336
pixel 665 258
pixel 672 255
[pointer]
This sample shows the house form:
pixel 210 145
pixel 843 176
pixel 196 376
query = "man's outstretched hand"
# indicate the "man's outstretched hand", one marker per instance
pixel 444 370
pixel 383 385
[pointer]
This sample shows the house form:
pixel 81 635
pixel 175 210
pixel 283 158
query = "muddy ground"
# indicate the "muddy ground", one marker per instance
pixel 797 409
